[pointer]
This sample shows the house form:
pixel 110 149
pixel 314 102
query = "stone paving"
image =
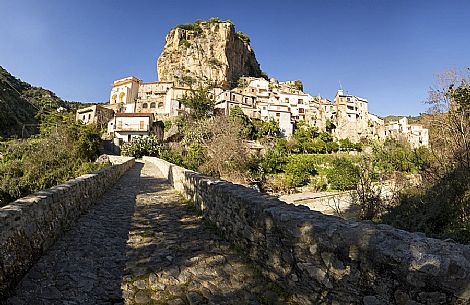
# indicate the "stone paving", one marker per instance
pixel 143 244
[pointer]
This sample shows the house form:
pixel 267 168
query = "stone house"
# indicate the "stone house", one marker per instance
pixel 95 114
pixel 351 117
pixel 415 134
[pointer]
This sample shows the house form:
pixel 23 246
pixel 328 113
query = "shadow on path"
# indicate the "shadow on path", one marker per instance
pixel 85 266
pixel 143 244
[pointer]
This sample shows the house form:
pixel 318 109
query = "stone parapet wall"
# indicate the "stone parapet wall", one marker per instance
pixel 325 259
pixel 30 225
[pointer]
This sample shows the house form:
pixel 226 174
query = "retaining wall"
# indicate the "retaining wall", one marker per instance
pixel 325 259
pixel 30 225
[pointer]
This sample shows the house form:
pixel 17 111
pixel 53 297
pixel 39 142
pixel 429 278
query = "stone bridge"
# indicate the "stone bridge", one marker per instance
pixel 150 232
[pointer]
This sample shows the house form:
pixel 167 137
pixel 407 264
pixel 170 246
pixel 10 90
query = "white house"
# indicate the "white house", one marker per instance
pixel 125 126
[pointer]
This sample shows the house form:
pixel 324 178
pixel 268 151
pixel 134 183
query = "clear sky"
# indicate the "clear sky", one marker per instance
pixel 385 51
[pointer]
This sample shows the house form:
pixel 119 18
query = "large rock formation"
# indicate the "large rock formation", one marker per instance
pixel 207 52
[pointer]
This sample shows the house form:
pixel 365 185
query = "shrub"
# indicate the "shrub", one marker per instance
pixel 316 146
pixel 243 37
pixel 167 125
pixel 248 129
pixel 215 63
pixel 299 168
pixel 195 27
pixel 346 145
pixel 184 43
pixel 332 147
pixel 326 136
pixel 215 20
pixel 63 153
pixel 343 175
pixel 393 155
pixel 174 156
pixel 139 147
pixel 273 161
pixel 195 157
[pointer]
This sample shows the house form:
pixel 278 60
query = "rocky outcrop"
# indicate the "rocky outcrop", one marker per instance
pixel 207 53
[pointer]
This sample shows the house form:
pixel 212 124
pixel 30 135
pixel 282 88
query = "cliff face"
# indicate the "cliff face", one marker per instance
pixel 207 53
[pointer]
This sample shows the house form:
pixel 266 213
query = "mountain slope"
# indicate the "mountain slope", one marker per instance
pixel 21 105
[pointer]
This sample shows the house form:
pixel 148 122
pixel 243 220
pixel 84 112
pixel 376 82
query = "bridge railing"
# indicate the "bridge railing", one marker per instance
pixel 30 225
pixel 325 259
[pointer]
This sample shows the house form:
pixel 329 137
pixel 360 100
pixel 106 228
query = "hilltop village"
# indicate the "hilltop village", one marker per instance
pixel 235 79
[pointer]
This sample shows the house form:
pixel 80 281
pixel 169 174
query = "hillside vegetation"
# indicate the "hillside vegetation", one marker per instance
pixel 23 106
pixel 40 147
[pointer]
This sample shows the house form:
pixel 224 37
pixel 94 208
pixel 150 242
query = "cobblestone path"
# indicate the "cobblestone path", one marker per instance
pixel 142 244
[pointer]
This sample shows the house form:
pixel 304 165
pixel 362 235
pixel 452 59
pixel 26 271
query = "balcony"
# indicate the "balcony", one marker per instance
pixel 132 127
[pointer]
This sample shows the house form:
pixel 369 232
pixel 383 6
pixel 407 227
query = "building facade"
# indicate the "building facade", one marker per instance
pixel 132 102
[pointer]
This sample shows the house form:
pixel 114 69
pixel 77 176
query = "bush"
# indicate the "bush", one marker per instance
pixel 332 147
pixel 299 168
pixel 184 43
pixel 139 147
pixel 195 157
pixel 195 27
pixel 61 154
pixel 174 156
pixel 343 175
pixel 167 125
pixel 396 156
pixel 243 37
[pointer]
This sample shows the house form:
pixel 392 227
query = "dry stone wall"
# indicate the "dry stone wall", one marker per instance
pixel 30 225
pixel 325 259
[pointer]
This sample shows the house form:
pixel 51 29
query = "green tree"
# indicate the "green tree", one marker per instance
pixel 248 129
pixel 267 128
pixel 326 136
pixel 299 168
pixel 200 103
pixel 343 175
pixel 195 156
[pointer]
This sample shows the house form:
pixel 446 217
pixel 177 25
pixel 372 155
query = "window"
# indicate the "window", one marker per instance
pixel 301 101
pixel 160 105
pixel 287 100
pixel 89 116
pixel 153 105
pixel 278 114
pixel 84 118
pixel 142 123
pixel 145 106
pixel 233 97
pixel 301 110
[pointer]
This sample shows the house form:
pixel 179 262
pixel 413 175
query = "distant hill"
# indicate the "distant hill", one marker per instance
pixel 411 119
pixel 21 105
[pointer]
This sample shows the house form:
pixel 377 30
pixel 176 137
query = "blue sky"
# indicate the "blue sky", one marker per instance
pixel 385 51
